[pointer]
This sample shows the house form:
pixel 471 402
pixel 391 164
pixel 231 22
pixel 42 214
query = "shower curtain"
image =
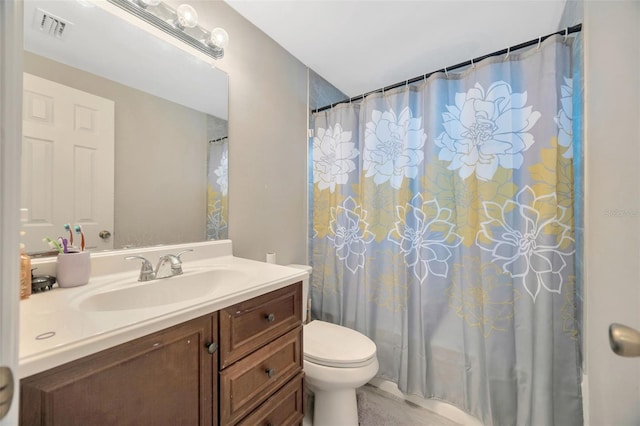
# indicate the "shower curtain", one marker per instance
pixel 443 227
pixel 217 189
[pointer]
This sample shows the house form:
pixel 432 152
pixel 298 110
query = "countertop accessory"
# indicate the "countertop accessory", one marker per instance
pixel 73 269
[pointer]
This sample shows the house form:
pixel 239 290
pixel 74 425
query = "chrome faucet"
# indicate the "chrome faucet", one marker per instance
pixel 174 261
pixel 147 273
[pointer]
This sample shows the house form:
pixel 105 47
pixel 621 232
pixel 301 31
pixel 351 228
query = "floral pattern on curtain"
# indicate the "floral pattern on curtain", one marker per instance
pixel 443 228
pixel 217 189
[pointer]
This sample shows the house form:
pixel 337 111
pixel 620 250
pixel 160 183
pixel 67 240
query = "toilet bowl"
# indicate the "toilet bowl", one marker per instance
pixel 337 360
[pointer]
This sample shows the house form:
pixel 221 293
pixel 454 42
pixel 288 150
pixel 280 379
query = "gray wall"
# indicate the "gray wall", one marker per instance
pixel 267 139
pixel 322 93
pixel 160 159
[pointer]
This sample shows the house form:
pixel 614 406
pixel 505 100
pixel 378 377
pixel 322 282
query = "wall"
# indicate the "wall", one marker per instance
pixel 572 14
pixel 322 93
pixel 612 205
pixel 160 159
pixel 267 139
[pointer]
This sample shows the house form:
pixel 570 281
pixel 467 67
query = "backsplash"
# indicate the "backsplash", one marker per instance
pixel 111 262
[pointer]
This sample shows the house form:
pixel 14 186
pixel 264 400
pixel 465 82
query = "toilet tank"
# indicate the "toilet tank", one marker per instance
pixel 306 302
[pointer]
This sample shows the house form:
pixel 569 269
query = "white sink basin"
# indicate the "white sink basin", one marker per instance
pixel 128 295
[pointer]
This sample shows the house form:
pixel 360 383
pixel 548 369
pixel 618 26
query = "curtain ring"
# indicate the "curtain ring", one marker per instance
pixel 508 53
pixel 473 65
pixel 446 73
pixel 539 41
pixel 407 83
pixel 566 33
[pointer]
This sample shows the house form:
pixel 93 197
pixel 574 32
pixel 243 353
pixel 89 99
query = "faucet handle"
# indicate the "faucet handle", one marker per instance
pixel 176 262
pixel 146 271
pixel 181 253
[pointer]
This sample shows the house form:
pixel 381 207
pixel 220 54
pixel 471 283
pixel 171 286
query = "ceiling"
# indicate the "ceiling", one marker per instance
pixel 360 46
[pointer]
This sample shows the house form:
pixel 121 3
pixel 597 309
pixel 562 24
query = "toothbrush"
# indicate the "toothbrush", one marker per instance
pixel 54 245
pixel 67 228
pixel 78 230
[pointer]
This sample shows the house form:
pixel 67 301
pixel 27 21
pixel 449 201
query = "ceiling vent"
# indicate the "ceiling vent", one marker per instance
pixel 51 24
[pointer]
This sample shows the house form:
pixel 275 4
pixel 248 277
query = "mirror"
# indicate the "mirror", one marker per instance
pixel 169 150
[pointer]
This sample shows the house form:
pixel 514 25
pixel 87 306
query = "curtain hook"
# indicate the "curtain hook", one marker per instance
pixel 539 41
pixel 446 73
pixel 473 65
pixel 566 33
pixel 407 83
pixel 508 53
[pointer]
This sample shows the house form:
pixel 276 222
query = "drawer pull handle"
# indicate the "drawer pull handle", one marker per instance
pixel 270 317
pixel 270 372
pixel 212 347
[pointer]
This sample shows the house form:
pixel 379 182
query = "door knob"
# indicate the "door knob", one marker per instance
pixel 104 234
pixel 6 390
pixel 624 341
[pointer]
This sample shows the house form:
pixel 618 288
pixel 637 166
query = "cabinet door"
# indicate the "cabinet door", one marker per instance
pixel 165 378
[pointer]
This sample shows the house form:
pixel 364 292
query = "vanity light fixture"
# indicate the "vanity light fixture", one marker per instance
pixel 145 3
pixel 186 17
pixel 181 23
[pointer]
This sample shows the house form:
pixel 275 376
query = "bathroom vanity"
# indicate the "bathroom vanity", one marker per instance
pixel 238 363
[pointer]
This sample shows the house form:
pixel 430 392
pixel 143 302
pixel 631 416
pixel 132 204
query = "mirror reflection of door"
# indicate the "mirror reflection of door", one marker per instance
pixel 68 150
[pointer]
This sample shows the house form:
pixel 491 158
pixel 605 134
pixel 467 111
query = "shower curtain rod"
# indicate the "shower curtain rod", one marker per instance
pixel 566 31
pixel 219 139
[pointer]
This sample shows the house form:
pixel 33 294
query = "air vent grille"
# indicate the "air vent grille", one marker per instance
pixel 51 24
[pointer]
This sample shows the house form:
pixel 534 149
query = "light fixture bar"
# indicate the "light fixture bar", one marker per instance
pixel 161 24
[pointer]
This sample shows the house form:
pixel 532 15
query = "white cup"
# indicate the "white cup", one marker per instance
pixel 73 269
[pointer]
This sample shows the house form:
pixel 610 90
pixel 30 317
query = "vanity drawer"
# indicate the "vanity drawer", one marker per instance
pixel 284 408
pixel 249 382
pixel 246 326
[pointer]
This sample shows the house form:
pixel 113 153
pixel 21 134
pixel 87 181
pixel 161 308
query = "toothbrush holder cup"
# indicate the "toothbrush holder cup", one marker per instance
pixel 73 269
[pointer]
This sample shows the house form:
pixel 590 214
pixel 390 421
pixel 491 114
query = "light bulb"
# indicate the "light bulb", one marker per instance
pixel 187 16
pixel 218 38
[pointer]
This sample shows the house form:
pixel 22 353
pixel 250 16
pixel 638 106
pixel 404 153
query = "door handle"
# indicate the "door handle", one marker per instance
pixel 6 390
pixel 624 341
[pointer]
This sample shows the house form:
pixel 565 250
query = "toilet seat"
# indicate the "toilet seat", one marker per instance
pixel 336 346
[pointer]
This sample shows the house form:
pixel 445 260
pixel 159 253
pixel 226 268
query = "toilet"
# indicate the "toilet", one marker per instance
pixel 337 361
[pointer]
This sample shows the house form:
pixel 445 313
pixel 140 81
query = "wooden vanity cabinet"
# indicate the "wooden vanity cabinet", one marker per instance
pixel 180 376
pixel 166 378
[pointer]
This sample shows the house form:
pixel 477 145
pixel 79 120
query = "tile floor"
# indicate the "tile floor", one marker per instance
pixel 379 408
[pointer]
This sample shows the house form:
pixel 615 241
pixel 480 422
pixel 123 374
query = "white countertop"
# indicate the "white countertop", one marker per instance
pixel 75 333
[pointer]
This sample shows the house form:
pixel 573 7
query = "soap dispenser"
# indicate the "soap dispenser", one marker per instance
pixel 25 273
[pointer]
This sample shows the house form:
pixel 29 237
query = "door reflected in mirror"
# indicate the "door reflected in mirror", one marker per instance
pixel 170 140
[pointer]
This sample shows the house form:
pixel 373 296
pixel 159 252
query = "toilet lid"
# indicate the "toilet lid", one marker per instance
pixel 335 346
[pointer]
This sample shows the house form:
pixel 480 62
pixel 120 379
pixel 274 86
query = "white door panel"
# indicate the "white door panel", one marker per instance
pixel 68 163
